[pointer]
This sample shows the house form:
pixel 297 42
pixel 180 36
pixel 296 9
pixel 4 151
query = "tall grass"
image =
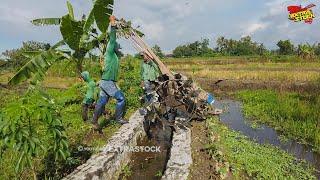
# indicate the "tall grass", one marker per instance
pixel 296 115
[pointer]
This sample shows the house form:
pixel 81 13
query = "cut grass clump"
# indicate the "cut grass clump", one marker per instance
pixel 247 159
pixel 296 115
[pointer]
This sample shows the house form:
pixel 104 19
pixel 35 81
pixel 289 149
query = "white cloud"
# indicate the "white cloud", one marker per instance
pixel 167 23
pixel 153 30
pixel 15 15
pixel 279 27
pixel 254 27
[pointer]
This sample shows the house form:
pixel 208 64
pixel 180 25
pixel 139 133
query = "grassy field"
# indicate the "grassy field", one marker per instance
pixel 240 69
pixel 239 158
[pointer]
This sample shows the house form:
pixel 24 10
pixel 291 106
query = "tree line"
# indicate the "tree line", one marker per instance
pixel 244 47
pixel 15 58
pixel 18 57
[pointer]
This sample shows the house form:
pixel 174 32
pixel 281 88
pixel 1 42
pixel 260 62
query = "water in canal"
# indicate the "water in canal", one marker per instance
pixel 234 119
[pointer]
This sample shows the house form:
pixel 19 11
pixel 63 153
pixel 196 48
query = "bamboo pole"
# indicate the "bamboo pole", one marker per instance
pixel 140 45
pixel 147 49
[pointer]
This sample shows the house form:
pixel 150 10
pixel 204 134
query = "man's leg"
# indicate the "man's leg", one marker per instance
pixel 112 90
pixel 100 107
pixel 85 108
pixel 120 108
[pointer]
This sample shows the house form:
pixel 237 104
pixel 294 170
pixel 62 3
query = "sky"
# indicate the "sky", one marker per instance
pixel 168 23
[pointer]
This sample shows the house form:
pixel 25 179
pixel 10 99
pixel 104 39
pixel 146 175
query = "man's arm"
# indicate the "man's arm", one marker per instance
pixel 112 36
pixel 112 40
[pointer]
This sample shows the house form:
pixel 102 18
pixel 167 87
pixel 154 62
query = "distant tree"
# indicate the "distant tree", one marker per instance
pixel 16 57
pixel 197 48
pixel 285 47
pixel 306 51
pixel 157 50
pixel 182 51
pixel 205 49
pixel 262 50
pixel 2 63
pixel 222 45
pixel 244 46
pixel 317 49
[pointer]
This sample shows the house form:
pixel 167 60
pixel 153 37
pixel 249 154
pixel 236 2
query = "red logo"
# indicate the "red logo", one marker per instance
pixel 297 13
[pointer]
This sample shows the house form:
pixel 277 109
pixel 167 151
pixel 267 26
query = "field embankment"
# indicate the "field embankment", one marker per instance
pixel 237 74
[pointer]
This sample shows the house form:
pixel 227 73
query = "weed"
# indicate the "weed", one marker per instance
pixel 126 172
pixel 158 174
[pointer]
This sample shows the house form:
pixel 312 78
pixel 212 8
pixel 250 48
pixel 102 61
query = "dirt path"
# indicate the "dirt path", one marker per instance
pixel 203 165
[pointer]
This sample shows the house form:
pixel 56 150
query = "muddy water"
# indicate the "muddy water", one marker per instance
pixel 151 165
pixel 235 120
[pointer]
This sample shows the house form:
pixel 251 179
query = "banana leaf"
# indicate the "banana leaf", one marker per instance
pixel 58 44
pixel 37 66
pixel 70 9
pixel 30 54
pixel 46 21
pixel 71 31
pixel 102 10
pixel 89 22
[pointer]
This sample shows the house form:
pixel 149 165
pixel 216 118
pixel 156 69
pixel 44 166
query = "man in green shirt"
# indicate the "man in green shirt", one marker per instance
pixel 109 78
pixel 89 97
pixel 149 74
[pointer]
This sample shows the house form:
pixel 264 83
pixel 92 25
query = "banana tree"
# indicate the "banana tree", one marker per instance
pixel 306 51
pixel 80 36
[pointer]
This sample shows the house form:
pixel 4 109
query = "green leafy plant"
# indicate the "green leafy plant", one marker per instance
pixel 126 171
pixel 32 127
pixel 159 174
pixel 306 51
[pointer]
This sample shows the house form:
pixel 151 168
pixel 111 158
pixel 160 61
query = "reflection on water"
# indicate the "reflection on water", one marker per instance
pixel 235 120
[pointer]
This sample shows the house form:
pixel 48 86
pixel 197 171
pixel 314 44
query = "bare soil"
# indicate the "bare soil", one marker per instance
pixel 203 165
